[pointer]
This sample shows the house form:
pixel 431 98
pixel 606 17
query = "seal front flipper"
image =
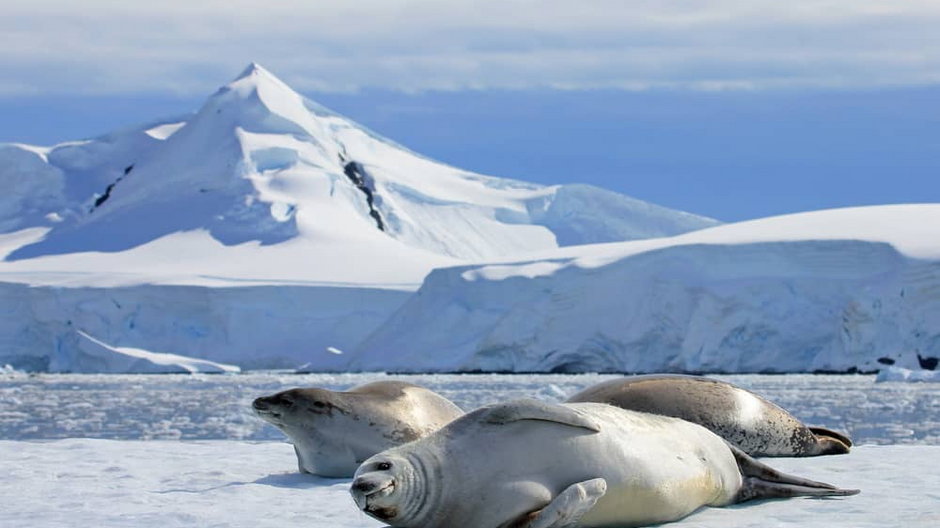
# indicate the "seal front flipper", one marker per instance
pixel 761 481
pixel 567 508
pixel 300 461
pixel 529 409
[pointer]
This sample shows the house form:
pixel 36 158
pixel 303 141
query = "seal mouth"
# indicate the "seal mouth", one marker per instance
pixel 267 414
pixel 383 513
pixel 266 410
pixel 384 491
pixel 365 499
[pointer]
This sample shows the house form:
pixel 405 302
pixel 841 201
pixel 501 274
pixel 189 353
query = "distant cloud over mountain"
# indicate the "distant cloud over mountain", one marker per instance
pixel 54 46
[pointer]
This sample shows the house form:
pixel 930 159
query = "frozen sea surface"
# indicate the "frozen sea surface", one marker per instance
pixel 71 450
pixel 216 407
pixel 134 484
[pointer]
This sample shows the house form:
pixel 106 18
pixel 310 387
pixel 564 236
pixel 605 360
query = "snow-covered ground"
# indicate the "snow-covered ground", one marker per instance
pixel 185 450
pixel 134 484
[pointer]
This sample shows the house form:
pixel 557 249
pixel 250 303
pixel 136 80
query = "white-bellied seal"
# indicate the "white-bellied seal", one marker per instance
pixel 755 425
pixel 333 432
pixel 530 464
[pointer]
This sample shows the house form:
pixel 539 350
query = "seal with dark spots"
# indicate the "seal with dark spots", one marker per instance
pixel 333 432
pixel 755 425
pixel 531 464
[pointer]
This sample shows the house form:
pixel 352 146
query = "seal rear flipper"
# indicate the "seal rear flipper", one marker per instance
pixel 761 481
pixel 567 508
pixel 832 442
pixel 529 409
pixel 756 489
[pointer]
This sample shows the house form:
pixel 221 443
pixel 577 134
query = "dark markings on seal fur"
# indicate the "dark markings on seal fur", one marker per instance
pixel 748 421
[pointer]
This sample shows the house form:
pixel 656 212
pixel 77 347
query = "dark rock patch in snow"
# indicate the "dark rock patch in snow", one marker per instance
pixel 928 363
pixel 360 178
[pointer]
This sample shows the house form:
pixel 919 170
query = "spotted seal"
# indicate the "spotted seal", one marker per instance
pixel 752 423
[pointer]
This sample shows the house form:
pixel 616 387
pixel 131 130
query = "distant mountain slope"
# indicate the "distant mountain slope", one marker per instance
pixel 263 230
pixel 260 163
pixel 839 290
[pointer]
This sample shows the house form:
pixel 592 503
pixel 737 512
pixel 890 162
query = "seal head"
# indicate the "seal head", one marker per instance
pixel 333 432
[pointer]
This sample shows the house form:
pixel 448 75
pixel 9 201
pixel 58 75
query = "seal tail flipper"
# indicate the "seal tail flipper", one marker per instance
pixel 833 443
pixel 755 489
pixel 764 482
pixel 566 509
pixel 822 431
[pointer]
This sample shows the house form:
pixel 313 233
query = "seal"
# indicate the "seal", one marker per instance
pixel 755 425
pixel 333 432
pixel 531 464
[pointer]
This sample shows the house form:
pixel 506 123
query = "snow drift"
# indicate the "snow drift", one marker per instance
pixel 98 356
pixel 841 290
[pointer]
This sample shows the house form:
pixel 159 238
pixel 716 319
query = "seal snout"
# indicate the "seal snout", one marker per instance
pixel 364 486
pixel 273 406
pixel 367 486
pixel 265 406
pixel 369 491
pixel 261 404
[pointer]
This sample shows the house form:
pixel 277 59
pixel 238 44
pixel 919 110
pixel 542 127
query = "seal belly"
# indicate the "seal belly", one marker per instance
pixel 633 504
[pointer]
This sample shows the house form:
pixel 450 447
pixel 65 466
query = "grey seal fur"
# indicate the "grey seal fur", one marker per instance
pixel 531 464
pixel 333 432
pixel 752 423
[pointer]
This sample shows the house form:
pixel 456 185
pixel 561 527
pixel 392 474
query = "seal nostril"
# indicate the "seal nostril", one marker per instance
pixel 363 486
pixel 259 404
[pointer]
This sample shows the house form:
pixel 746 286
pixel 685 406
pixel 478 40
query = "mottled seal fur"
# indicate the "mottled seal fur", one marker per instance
pixel 750 422
pixel 333 432
pixel 530 464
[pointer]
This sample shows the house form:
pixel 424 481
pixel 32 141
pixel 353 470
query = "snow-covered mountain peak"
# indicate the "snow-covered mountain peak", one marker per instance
pixel 257 101
pixel 259 162
pixel 252 70
pixel 255 77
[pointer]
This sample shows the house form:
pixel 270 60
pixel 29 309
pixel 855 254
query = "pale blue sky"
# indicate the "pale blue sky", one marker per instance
pixel 735 109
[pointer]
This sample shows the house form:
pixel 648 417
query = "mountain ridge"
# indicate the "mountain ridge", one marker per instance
pixel 258 161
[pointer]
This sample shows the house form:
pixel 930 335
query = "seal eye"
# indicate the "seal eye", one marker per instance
pixel 383 466
pixel 319 404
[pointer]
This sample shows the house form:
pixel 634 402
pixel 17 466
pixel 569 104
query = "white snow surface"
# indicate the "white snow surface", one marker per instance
pixel 102 357
pixel 830 291
pixel 139 484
